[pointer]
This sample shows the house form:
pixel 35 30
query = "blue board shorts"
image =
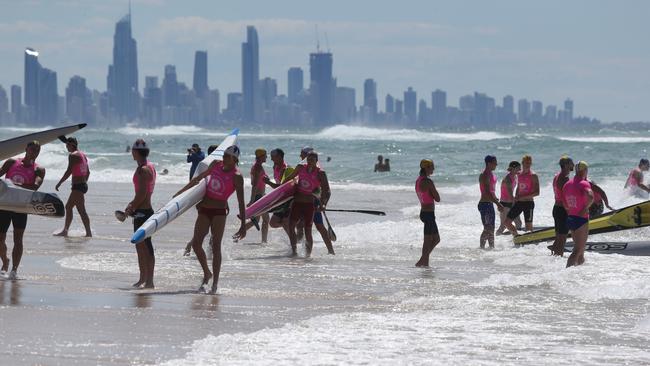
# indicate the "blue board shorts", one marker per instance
pixel 318 216
pixel 488 216
pixel 429 220
pixel 575 222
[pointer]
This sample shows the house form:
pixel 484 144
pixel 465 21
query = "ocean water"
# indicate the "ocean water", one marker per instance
pixel 368 304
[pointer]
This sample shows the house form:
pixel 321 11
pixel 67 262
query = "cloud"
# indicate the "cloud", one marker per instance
pixel 22 27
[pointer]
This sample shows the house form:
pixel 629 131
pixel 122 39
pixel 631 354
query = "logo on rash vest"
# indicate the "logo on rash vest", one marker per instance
pixel 216 184
pixel 18 179
pixel 305 184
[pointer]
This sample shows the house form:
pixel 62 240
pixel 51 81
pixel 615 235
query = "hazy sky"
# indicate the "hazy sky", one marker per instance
pixel 596 52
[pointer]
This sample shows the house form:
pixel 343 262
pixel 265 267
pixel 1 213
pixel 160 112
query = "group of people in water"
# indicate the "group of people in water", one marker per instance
pixel 577 199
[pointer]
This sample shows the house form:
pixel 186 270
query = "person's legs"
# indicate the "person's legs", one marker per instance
pixel 326 237
pixel 68 213
pixel 579 236
pixel 515 211
pixel 503 215
pixel 265 228
pixel 217 227
pixel 528 215
pixel 201 228
pixel 85 219
pixel 431 238
pixel 488 219
pixel 150 263
pixel 561 230
pixel 5 221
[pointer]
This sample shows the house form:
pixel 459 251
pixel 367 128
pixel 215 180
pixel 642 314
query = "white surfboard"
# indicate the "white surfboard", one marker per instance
pixel 21 200
pixel 16 145
pixel 178 205
pixel 636 248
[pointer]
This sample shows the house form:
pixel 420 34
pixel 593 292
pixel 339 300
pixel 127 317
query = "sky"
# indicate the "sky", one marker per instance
pixel 594 51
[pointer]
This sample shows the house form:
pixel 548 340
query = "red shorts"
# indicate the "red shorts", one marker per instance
pixel 212 212
pixel 304 211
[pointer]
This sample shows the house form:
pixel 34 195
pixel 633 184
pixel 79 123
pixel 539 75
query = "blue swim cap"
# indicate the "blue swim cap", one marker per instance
pixel 490 158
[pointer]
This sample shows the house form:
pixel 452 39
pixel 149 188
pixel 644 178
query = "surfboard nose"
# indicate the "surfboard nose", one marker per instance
pixel 138 236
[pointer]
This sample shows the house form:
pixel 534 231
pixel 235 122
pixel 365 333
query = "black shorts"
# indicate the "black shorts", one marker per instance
pixel 429 220
pixel 81 187
pixel 138 220
pixel 506 204
pixel 19 221
pixel 527 207
pixel 559 217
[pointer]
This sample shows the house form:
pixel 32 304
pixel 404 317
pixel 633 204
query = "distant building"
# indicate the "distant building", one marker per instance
pixel 4 106
pixel 322 87
pixel 508 109
pixel 153 101
pixel 77 99
pixel 399 111
pixel 410 105
pixel 523 111
pixel 170 90
pixel 200 84
pixel 423 112
pixel 251 76
pixel 295 83
pixel 439 106
pixel 568 109
pixel 122 77
pixel 345 104
pixel 370 99
pixel 31 84
pixel 48 97
pixel 214 106
pixel 550 116
pixel 235 107
pixel 16 102
pixel 537 111
pixel 269 90
pixel 390 104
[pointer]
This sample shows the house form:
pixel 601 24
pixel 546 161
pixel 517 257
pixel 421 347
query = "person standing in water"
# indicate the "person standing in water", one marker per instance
pixel 508 185
pixel 379 167
pixel 600 201
pixel 78 169
pixel 144 181
pixel 224 179
pixel 427 194
pixel 24 173
pixel 487 185
pixel 527 190
pixel 258 178
pixel 559 212
pixel 194 156
pixel 577 197
pixel 311 179
pixel 634 183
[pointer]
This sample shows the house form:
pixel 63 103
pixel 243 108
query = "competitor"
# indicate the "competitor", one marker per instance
pixel 78 169
pixel 487 183
pixel 634 183
pixel 224 179
pixel 25 173
pixel 559 213
pixel 280 216
pixel 144 181
pixel 427 194
pixel 258 176
pixel 318 215
pixel 577 197
pixel 600 200
pixel 279 166
pixel 527 189
pixel 508 185
pixel 311 178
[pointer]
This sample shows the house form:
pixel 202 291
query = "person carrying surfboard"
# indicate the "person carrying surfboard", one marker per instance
pixel 25 173
pixel 224 178
pixel 144 181
pixel 527 190
pixel 78 169
pixel 427 194
pixel 310 179
pixel 577 196
pixel 279 166
pixel 487 185
pixel 258 189
pixel 634 183
pixel 559 213
pixel 508 186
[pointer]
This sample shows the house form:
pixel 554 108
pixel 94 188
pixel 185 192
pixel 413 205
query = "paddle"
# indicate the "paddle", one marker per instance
pixel 121 215
pixel 367 212
pixel 330 231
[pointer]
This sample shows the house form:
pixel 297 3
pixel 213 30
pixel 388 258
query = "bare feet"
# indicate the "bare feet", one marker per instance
pixel 62 233
pixel 148 285
pixel 213 290
pixel 89 235
pixel 138 284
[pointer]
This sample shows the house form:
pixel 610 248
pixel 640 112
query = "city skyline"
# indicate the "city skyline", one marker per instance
pixel 329 39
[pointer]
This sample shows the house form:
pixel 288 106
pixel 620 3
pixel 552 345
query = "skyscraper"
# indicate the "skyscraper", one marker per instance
pixel 370 97
pixel 508 109
pixel 170 90
pixel 523 110
pixel 76 95
pixel 152 103
pixel 410 105
pixel 48 97
pixel 123 73
pixel 251 75
pixel 345 104
pixel 269 90
pixel 200 84
pixel 568 109
pixel 322 87
pixel 295 83
pixel 537 111
pixel 32 70
pixel 390 104
pixel 439 106
pixel 4 105
pixel 16 102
